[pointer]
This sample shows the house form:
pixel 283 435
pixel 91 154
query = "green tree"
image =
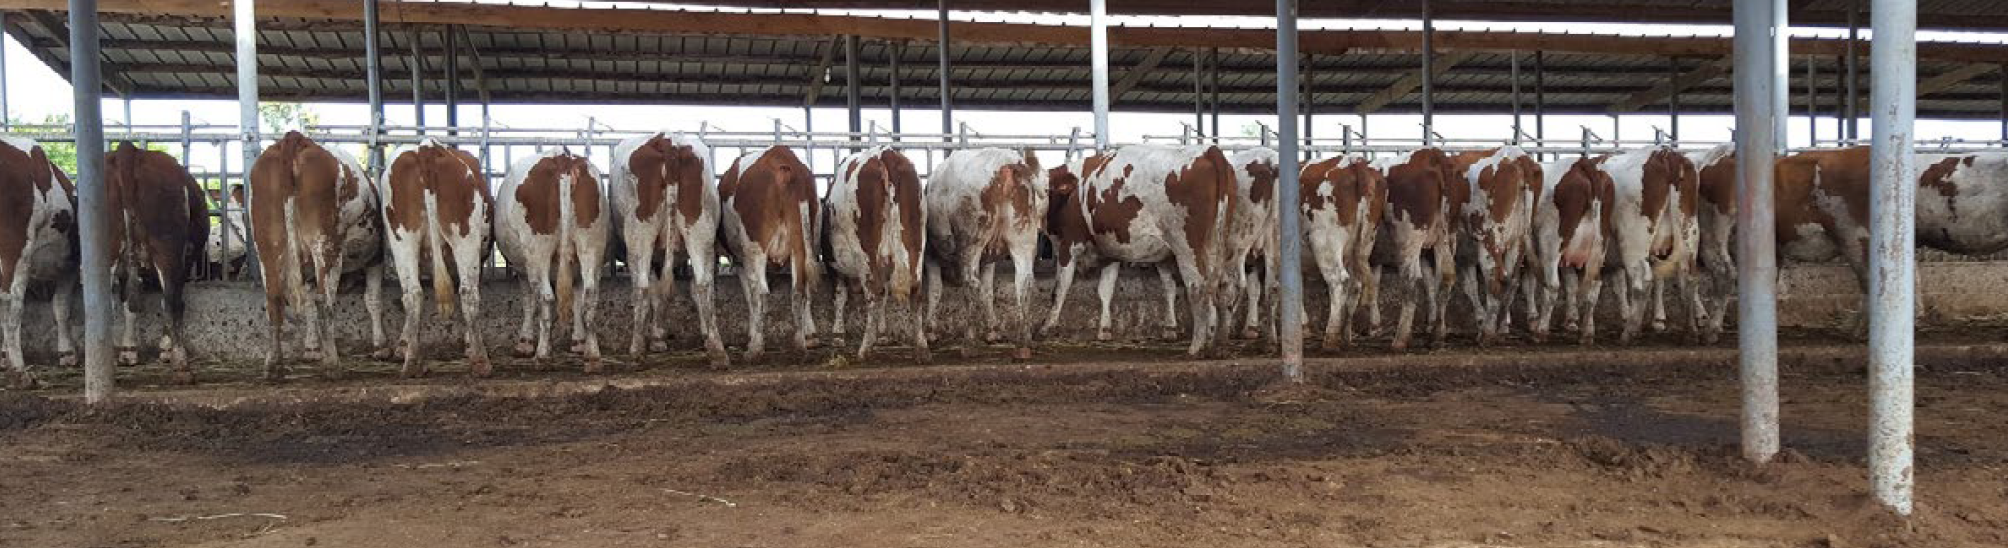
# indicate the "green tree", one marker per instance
pixel 63 154
pixel 285 116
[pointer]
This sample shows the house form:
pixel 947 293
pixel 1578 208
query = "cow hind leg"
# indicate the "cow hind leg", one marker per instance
pixel 932 270
pixel 872 323
pixel 1169 329
pixel 1583 303
pixel 800 299
pixel 703 280
pixel 173 280
pixel 373 304
pixel 1199 298
pixel 1106 291
pixel 469 266
pixel 840 294
pixel 1063 283
pixel 1335 289
pixel 988 286
pixel 10 331
pixel 526 345
pixel 275 325
pixel 66 348
pixel 1658 305
pixel 411 293
pixel 128 347
pixel 753 279
pixel 1021 301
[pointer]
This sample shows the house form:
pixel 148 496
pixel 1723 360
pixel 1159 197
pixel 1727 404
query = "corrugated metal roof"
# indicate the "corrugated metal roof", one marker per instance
pixel 167 56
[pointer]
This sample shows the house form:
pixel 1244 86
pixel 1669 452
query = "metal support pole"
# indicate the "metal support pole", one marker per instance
pixel 187 139
pixel 1852 102
pixel 1673 99
pixel 373 51
pixel 1213 90
pixel 853 95
pixel 2003 77
pixel 94 222
pixel 247 117
pixel 893 51
pixel 6 114
pixel 1290 252
pixel 417 84
pixel 1892 255
pixel 1812 102
pixel 1199 92
pixel 452 74
pixel 1310 104
pixel 1540 98
pixel 1760 36
pixel 1514 71
pixel 1098 60
pixel 1428 76
pixel 947 93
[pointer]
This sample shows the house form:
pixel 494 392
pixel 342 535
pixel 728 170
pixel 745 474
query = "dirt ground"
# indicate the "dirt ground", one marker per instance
pixel 1095 446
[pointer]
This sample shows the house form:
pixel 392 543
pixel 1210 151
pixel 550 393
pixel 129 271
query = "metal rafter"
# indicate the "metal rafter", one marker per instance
pixel 1663 92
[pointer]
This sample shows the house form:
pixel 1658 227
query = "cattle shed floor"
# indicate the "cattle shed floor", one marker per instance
pixel 1105 445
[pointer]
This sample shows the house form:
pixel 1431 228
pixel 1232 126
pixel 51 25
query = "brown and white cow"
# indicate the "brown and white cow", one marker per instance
pixel 1654 233
pixel 1343 202
pixel 162 224
pixel 551 223
pixel 1425 197
pixel 1251 236
pixel 877 233
pixel 1151 204
pixel 1717 217
pixel 1572 222
pixel 771 219
pixel 1823 206
pixel 315 220
pixel 665 201
pixel 437 209
pixel 38 243
pixel 983 206
pixel 1074 248
pixel 1504 184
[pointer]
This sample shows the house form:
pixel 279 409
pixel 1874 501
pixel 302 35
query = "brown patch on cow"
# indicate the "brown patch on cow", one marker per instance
pixel 586 191
pixel 769 194
pixel 873 184
pixel 21 178
pixel 1108 211
pixel 1066 225
pixel 1352 186
pixel 1718 183
pixel 297 171
pixel 449 175
pixel 1262 175
pixel 538 194
pixel 1424 186
pixel 1010 187
pixel 1580 186
pixel 662 168
pixel 1801 179
pixel 889 178
pixel 1205 189
pixel 1938 176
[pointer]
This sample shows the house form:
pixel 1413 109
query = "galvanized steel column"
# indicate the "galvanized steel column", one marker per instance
pixel 1760 42
pixel 853 98
pixel 1540 98
pixel 1213 89
pixel 1853 101
pixel 1428 75
pixel 417 84
pixel 6 120
pixel 1892 255
pixel 1290 327
pixel 1514 69
pixel 892 51
pixel 246 22
pixel 1098 53
pixel 94 222
pixel 373 50
pixel 1673 99
pixel 451 71
pixel 947 107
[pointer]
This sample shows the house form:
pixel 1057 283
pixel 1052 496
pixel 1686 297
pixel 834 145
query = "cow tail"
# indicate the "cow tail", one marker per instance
pixel 567 215
pixel 128 180
pixel 435 244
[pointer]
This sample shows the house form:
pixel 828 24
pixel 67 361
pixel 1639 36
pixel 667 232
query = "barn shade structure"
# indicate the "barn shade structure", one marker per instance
pixel 347 50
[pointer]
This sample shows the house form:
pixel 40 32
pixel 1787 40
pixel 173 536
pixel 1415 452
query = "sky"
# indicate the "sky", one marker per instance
pixel 36 91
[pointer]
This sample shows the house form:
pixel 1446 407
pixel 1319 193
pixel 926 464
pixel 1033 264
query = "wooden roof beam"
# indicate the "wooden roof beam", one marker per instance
pixel 1663 92
pixel 1407 84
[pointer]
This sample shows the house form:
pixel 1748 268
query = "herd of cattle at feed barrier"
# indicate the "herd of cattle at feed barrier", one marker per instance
pixel 1509 229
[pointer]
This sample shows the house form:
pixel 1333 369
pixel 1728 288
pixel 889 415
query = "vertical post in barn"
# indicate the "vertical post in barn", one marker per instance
pixel 853 94
pixel 1760 41
pixel 1310 104
pixel 1513 70
pixel 1892 255
pixel 1428 76
pixel 94 221
pixel 1213 90
pixel 947 93
pixel 6 115
pixel 1673 99
pixel 246 23
pixel 417 84
pixel 188 144
pixel 1540 98
pixel 2002 72
pixel 1812 102
pixel 1290 327
pixel 451 70
pixel 893 51
pixel 1852 103
pixel 1098 62
pixel 373 51
pixel 1199 92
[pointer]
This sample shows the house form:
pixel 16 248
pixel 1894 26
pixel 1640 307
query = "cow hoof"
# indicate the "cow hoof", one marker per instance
pixel 1022 354
pixel 1711 337
pixel 579 347
pixel 525 349
pixel 275 373
pixel 68 359
pixel 1250 333
pixel 1332 344
pixel 334 373
pixel 1104 336
pixel 311 354
pixel 384 354
pixel 593 366
pixel 1398 345
pixel 479 367
pixel 1168 334
pixel 753 357
pixel 993 337
pixel 182 377
pixel 658 345
pixel 1659 326
pixel 411 370
pixel 128 357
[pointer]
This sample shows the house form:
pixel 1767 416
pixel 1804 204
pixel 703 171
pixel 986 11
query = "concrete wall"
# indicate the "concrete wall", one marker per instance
pixel 226 320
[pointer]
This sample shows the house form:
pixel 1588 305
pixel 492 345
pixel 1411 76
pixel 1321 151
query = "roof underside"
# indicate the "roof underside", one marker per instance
pixel 1032 67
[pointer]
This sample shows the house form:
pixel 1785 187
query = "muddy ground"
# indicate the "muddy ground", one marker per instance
pixel 1095 446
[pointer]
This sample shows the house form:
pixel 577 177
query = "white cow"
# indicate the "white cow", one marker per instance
pixel 317 218
pixel 553 214
pixel 1251 234
pixel 1570 224
pixel 876 237
pixel 37 243
pixel 665 201
pixel 1074 248
pixel 985 205
pixel 1717 217
pixel 1150 204
pixel 437 210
